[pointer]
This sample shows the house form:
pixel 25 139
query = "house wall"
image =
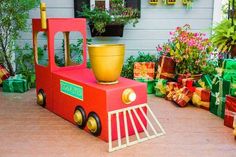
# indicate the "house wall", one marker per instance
pixel 153 28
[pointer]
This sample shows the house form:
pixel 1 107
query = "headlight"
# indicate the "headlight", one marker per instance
pixel 128 96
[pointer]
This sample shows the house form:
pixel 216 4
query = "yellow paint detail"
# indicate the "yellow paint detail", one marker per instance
pixel 92 124
pixel 43 15
pixel 128 96
pixel 40 99
pixel 78 117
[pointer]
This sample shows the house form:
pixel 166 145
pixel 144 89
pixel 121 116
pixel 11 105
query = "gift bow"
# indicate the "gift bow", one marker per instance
pixel 217 95
pixel 196 99
pixel 202 84
pixel 161 87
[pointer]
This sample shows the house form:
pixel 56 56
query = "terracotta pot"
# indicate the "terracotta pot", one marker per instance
pixel 107 61
pixel 184 76
pixel 233 51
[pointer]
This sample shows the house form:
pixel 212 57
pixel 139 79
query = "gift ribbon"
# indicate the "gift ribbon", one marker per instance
pixel 143 70
pixel 159 70
pixel 230 113
pixel 160 86
pixel 196 99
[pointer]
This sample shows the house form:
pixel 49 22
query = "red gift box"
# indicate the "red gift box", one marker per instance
pixel 4 74
pixel 187 82
pixel 171 88
pixel 182 96
pixel 230 111
pixel 204 94
pixel 166 68
pixel 144 70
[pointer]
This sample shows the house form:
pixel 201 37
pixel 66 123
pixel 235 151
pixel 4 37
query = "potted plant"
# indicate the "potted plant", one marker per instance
pixel 189 50
pixel 224 37
pixel 109 22
pixel 188 3
pixel 153 2
pixel 169 2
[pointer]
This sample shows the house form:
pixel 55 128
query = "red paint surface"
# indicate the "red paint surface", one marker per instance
pixel 230 111
pixel 97 98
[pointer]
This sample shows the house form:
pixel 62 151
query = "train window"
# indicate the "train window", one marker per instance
pixel 68 48
pixel 42 49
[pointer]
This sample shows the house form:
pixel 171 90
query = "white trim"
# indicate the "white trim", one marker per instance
pixel 217 14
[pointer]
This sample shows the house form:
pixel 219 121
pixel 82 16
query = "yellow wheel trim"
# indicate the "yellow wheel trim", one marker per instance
pixel 78 117
pixel 40 99
pixel 92 124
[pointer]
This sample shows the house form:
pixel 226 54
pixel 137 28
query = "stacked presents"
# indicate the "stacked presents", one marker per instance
pixel 17 83
pixel 216 94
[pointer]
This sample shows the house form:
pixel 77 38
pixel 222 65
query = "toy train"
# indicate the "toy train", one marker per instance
pixel 72 92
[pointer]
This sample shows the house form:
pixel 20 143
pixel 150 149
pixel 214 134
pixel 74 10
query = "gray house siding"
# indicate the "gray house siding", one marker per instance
pixel 153 28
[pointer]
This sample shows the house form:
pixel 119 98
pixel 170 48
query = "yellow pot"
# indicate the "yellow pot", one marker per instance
pixel 107 61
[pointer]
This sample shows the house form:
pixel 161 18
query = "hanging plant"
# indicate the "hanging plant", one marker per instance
pixel 169 2
pixel 188 3
pixel 153 2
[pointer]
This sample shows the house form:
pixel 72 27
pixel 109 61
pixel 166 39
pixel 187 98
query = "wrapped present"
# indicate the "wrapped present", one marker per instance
pixel 196 100
pixel 144 70
pixel 171 88
pixel 204 94
pixel 230 111
pixel 4 74
pixel 205 82
pixel 234 126
pixel 220 85
pixel 150 84
pixel 160 87
pixel 233 86
pixel 16 84
pixel 182 96
pixel 187 82
pixel 229 69
pixel 166 68
pixel 220 88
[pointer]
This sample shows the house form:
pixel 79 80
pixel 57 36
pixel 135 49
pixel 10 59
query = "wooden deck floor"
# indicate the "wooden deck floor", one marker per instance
pixel 26 129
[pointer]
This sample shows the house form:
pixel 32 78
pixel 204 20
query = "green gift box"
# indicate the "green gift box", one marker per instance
pixel 220 85
pixel 217 105
pixel 150 84
pixel 205 82
pixel 220 88
pixel 15 84
pixel 229 69
pixel 160 87
pixel 233 87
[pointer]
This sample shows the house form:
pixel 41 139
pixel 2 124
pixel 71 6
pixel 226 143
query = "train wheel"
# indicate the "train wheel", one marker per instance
pixel 41 98
pixel 80 117
pixel 94 124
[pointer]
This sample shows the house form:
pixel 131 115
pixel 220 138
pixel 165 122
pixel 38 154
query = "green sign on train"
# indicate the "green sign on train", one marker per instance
pixel 71 89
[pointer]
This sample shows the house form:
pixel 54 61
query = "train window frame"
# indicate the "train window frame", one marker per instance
pixel 68 61
pixel 36 52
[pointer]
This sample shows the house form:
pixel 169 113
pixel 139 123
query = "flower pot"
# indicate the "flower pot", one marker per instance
pixel 232 13
pixel 171 2
pixel 184 76
pixel 106 62
pixel 233 51
pixel 110 30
